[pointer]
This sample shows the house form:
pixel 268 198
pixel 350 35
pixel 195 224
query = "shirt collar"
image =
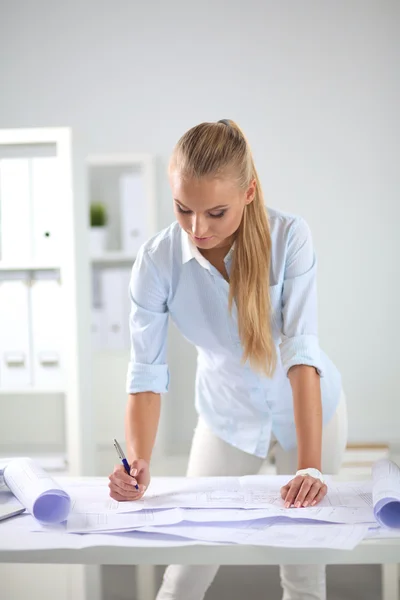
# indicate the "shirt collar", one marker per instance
pixel 189 251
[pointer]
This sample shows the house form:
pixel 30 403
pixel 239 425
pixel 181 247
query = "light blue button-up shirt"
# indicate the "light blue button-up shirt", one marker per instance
pixel 171 278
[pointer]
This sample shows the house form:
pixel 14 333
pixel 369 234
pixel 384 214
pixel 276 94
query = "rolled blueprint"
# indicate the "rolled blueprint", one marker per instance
pixel 37 491
pixel 386 492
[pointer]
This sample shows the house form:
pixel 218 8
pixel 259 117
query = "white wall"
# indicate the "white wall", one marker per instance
pixel 315 86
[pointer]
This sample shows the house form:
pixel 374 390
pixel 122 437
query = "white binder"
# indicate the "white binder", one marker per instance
pixel 47 331
pixel 15 364
pixel 112 301
pixel 134 211
pixel 46 208
pixel 15 210
pixel 126 305
pixel 97 314
pixel 99 341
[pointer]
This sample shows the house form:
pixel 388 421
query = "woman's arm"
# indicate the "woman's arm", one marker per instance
pixel 301 359
pixel 306 390
pixel 306 491
pixel 141 423
pixel 147 376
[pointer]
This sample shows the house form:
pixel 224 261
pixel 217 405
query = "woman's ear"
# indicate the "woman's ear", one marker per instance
pixel 251 192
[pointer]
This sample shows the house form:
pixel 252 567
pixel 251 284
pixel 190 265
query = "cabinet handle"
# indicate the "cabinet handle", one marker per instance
pixel 15 359
pixel 48 358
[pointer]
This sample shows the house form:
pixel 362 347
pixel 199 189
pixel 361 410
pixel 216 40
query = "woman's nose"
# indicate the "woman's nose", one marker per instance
pixel 199 226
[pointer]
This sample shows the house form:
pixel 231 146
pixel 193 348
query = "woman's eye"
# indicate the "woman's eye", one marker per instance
pixel 216 215
pixel 184 212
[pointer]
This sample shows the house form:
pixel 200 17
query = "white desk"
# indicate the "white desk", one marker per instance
pixel 18 545
pixel 385 552
pixel 368 552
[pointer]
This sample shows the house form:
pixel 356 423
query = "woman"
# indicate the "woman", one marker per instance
pixel 239 281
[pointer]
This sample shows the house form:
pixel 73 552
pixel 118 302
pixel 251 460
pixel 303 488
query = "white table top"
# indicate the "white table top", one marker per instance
pixel 369 551
pixel 19 545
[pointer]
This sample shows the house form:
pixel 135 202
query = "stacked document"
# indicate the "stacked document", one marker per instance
pixel 214 510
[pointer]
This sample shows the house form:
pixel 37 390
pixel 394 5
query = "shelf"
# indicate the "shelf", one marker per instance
pixel 113 257
pixel 7 266
pixel 125 160
pixel 29 391
pixel 49 462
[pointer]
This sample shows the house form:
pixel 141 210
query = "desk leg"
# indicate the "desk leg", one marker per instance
pixel 93 582
pixel 127 582
pixel 390 582
pixel 145 582
pixel 84 582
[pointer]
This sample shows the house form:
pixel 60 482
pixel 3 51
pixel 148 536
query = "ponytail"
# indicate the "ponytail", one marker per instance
pixel 211 148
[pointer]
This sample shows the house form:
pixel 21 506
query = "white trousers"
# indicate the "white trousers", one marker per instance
pixel 211 456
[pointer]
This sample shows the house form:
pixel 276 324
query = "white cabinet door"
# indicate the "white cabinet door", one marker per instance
pixel 15 362
pixel 47 333
pixel 134 209
pixel 47 209
pixel 15 210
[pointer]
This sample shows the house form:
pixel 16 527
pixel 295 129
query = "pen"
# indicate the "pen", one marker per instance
pixel 123 459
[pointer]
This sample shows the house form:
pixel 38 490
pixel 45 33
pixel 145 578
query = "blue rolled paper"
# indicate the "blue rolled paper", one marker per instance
pixel 386 493
pixel 37 491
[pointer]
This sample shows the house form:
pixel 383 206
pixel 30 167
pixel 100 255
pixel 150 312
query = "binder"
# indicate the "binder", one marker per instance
pixel 46 208
pixel 125 274
pixel 97 313
pixel 47 331
pixel 15 210
pixel 97 329
pixel 134 212
pixel 15 363
pixel 111 287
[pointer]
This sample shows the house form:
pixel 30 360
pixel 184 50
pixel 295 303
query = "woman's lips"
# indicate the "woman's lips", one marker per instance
pixel 202 239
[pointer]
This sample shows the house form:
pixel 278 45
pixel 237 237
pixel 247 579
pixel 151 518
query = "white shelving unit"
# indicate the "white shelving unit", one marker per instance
pixel 54 426
pixel 29 266
pixel 110 364
pixel 26 391
pixel 58 415
pixel 112 257
pixel 104 173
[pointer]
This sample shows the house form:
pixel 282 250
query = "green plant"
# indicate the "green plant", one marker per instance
pixel 98 214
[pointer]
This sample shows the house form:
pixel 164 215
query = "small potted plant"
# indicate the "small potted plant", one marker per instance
pixel 98 228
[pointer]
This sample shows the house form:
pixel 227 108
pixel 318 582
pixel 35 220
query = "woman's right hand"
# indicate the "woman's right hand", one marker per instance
pixel 123 486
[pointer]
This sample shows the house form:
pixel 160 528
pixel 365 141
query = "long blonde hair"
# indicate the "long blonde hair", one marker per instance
pixel 221 150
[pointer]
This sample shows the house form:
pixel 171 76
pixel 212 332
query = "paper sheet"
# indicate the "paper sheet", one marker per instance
pixel 317 514
pixel 383 533
pixel 260 533
pixel 38 492
pixel 16 535
pixel 90 522
pixel 112 523
pixel 231 492
pixel 195 493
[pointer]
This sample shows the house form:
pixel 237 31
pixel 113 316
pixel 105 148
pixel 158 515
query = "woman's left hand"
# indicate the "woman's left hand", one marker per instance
pixel 303 490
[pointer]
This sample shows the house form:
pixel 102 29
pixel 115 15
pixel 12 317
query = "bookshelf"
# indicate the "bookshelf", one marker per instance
pixel 111 268
pixel 51 423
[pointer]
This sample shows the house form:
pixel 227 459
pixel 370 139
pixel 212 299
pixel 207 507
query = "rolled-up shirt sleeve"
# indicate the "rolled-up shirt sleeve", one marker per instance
pixel 300 345
pixel 148 324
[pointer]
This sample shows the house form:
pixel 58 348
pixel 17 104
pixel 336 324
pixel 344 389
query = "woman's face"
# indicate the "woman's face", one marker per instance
pixel 209 209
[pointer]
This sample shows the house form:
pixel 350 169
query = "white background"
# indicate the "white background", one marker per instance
pixel 314 85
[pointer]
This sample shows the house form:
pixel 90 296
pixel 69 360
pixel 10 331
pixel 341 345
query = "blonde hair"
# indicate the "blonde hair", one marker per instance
pixel 221 150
